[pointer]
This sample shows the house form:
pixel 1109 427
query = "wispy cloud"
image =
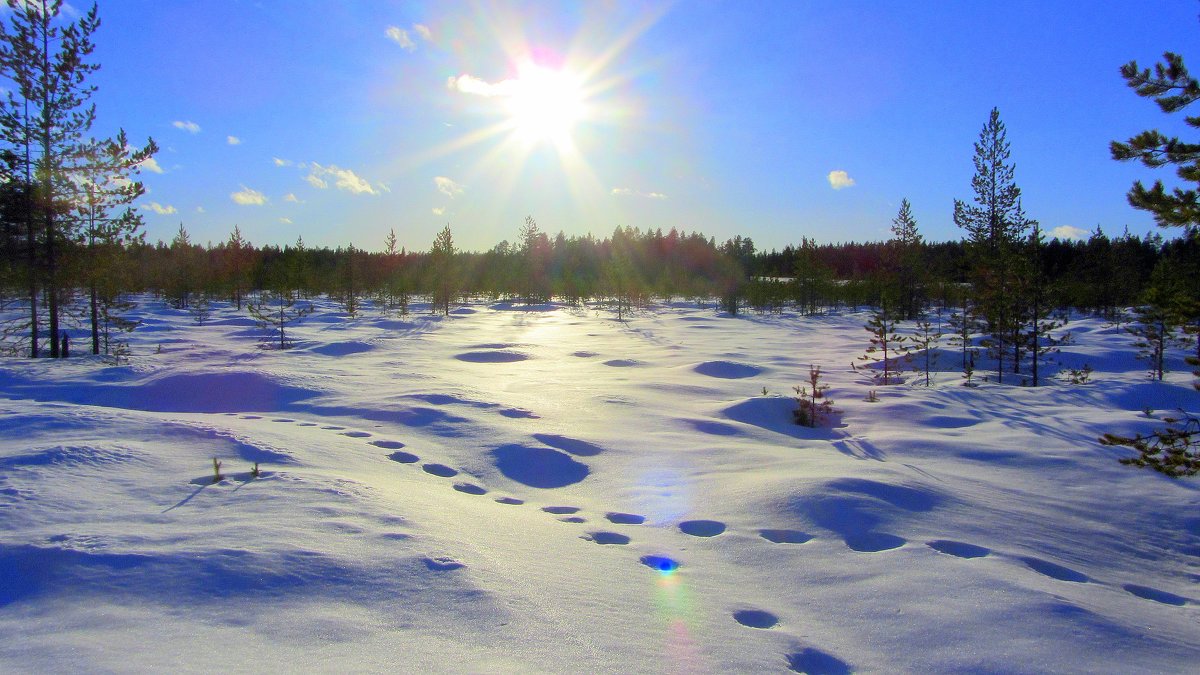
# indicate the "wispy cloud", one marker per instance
pixel 344 179
pixel 840 180
pixel 282 162
pixel 200 209
pixel 469 84
pixel 150 164
pixel 188 126
pixel 1065 232
pixel 248 197
pixel 159 208
pixel 630 192
pixel 291 197
pixel 438 210
pixel 448 187
pixel 233 140
pixel 400 36
pixel 423 31
pixel 285 220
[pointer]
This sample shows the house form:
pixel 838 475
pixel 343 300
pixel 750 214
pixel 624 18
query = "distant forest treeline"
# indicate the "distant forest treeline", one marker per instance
pixel 628 268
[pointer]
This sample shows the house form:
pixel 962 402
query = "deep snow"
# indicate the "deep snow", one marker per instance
pixel 555 491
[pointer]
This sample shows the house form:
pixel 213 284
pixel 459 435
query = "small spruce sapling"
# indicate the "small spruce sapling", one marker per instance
pixel 925 340
pixel 217 470
pixel 887 346
pixel 812 406
pixel 969 369
pixel 255 473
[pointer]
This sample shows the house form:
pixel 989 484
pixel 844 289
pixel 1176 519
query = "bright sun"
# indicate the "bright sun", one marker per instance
pixel 545 104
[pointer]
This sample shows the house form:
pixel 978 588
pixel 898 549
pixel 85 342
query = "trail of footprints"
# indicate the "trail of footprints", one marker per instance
pixel 808 659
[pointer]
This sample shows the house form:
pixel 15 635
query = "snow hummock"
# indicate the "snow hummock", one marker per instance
pixel 558 491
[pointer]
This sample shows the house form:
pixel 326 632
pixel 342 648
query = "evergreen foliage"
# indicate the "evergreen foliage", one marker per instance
pixel 1174 450
pixel 1173 89
pixel 812 405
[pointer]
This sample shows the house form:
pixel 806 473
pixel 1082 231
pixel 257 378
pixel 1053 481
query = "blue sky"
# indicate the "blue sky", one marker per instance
pixel 337 121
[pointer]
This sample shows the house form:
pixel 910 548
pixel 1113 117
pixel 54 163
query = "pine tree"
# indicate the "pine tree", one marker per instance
pixel 905 254
pixel 812 404
pixel 237 265
pixel 1173 89
pixel 47 117
pixel 274 312
pixel 887 346
pixel 925 341
pixel 443 270
pixel 1155 320
pixel 994 225
pixel 104 208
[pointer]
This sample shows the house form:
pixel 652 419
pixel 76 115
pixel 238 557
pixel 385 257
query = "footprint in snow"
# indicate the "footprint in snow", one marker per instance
pixel 440 470
pixel 511 501
pixel 814 661
pixel 252 417
pixel 282 419
pixel 356 434
pixel 625 518
pixel 333 428
pixel 660 563
pixel 404 457
pixel 573 519
pixel 755 618
pixel 470 489
pixel 958 548
pixel 702 528
pixel 785 536
pixel 306 424
pixel 561 510
pixel 874 542
pixel 1055 571
pixel 607 538
pixel 388 445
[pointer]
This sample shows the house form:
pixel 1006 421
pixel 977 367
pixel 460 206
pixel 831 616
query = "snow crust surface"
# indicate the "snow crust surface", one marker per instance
pixel 557 491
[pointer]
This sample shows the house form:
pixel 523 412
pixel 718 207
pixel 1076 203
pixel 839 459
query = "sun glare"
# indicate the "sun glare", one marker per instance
pixel 545 104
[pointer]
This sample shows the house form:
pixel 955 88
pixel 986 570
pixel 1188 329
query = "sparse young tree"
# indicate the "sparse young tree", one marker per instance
pixel 1155 320
pixel 925 341
pixel 812 405
pixel 887 346
pixel 1174 450
pixel 274 312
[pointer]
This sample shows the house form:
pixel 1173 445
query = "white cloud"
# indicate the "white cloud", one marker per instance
pixel 248 197
pixel 447 186
pixel 344 179
pixel 400 37
pixel 630 192
pixel 159 208
pixel 188 126
pixel 233 140
pixel 291 197
pixel 839 180
pixel 282 162
pixel 1064 232
pixel 423 31
pixel 438 211
pixel 150 164
pixel 469 84
pixel 285 220
pixel 200 209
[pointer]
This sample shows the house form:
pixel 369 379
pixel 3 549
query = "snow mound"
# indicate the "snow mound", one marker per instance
pixel 727 370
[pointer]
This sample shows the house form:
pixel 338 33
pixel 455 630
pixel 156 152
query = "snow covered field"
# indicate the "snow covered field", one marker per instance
pixel 504 490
